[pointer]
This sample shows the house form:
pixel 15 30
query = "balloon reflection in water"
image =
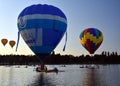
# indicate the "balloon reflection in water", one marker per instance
pixel 43 79
pixel 93 77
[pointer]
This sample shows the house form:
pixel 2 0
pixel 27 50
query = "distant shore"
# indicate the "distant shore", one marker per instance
pixel 103 58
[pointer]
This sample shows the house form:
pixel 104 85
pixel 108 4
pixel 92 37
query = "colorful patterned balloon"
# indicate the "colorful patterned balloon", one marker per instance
pixel 42 27
pixel 91 39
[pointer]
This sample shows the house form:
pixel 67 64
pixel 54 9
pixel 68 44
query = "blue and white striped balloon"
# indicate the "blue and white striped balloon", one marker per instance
pixel 42 27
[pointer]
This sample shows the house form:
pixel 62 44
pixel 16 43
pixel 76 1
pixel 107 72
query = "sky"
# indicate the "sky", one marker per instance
pixel 81 14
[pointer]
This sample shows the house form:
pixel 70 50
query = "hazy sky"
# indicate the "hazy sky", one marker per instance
pixel 81 14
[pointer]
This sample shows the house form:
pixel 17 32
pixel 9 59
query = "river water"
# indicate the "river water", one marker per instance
pixel 71 75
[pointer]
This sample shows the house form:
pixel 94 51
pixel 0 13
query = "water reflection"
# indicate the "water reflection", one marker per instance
pixel 5 73
pixel 93 77
pixel 43 80
pixel 73 76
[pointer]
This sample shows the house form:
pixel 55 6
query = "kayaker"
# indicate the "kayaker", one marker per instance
pixel 43 67
pixel 56 70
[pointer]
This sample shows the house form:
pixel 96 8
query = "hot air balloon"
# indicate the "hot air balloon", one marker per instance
pixel 42 27
pixel 12 43
pixel 91 39
pixel 4 41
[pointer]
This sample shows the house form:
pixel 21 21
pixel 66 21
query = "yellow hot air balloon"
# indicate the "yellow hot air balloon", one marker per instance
pixel 4 41
pixel 12 43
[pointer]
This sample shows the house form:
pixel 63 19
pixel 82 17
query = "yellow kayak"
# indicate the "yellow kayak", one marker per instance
pixel 47 71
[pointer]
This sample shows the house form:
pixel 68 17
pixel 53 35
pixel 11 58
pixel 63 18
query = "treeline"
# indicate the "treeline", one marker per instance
pixel 103 58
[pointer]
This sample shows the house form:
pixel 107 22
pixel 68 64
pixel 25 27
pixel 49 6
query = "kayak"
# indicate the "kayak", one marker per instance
pixel 55 70
pixel 47 71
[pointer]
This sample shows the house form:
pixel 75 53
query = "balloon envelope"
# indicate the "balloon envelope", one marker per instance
pixel 42 27
pixel 12 43
pixel 4 41
pixel 91 39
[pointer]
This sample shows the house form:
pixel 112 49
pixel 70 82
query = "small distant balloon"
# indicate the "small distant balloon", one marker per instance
pixel 91 39
pixel 4 41
pixel 12 43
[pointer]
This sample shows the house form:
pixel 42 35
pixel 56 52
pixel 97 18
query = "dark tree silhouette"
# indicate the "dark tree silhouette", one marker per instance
pixel 103 58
